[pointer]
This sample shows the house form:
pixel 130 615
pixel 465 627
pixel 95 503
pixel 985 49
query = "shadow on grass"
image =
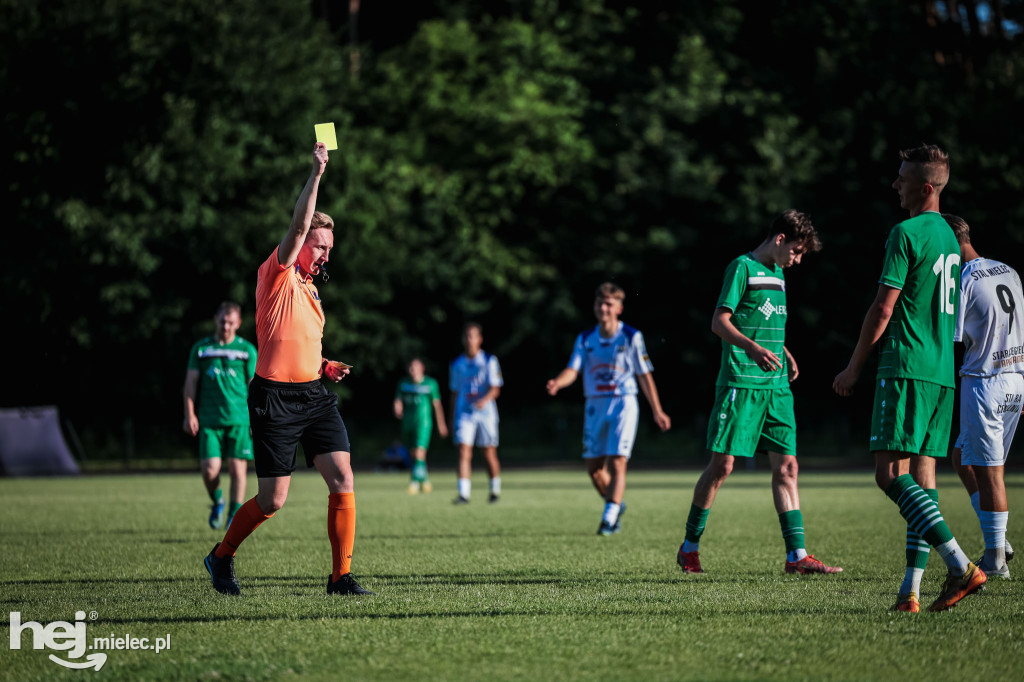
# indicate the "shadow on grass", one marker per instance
pixel 318 581
pixel 646 612
pixel 510 533
pixel 613 579
pixel 94 581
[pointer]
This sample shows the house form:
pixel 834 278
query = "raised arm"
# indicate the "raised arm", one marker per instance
pixel 721 324
pixel 191 423
pixel 875 322
pixel 564 379
pixel 305 207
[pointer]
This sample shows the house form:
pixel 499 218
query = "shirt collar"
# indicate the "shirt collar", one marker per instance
pixel 304 278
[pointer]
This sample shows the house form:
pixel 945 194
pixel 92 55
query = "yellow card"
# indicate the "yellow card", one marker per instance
pixel 325 133
pixel 339 364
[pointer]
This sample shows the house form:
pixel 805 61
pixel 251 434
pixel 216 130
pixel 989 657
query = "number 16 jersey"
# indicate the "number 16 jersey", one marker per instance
pixel 922 260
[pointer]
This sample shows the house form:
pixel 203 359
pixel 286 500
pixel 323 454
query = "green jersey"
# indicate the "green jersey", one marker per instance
pixel 922 260
pixel 756 295
pixel 224 374
pixel 417 400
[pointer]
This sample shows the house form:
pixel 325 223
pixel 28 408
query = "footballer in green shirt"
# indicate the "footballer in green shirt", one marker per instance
pixel 753 407
pixel 912 320
pixel 215 392
pixel 418 405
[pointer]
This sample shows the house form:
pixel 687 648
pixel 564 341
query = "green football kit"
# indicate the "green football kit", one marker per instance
pixel 417 410
pixel 221 396
pixel 913 407
pixel 753 408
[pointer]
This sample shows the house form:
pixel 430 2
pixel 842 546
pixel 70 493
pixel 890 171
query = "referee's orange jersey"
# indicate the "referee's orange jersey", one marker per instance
pixel 289 324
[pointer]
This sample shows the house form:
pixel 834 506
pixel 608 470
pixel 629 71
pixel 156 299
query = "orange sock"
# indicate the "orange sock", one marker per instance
pixel 247 519
pixel 341 529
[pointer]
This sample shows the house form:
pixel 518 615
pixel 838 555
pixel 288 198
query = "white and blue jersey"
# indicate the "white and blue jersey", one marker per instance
pixel 609 366
pixel 990 319
pixel 990 322
pixel 470 378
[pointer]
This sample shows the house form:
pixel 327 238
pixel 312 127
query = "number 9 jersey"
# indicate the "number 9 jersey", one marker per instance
pixel 989 319
pixel 922 260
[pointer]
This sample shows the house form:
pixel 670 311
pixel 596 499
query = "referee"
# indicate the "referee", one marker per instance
pixel 288 404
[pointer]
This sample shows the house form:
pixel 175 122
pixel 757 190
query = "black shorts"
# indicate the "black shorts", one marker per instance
pixel 282 415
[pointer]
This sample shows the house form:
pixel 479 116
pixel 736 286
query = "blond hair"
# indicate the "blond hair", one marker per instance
pixel 931 164
pixel 321 221
pixel 609 290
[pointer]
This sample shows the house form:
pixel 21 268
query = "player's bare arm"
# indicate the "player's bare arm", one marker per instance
pixel 650 390
pixel 565 378
pixel 875 322
pixel 442 427
pixel 188 392
pixel 721 325
pixel 792 369
pixel 398 408
pixel 451 410
pixel 492 394
pixel 305 207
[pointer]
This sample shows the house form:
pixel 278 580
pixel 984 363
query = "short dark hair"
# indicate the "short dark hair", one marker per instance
pixel 932 164
pixel 961 229
pixel 796 227
pixel 473 325
pixel 227 307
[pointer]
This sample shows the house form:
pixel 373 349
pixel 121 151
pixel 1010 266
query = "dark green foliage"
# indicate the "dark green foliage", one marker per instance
pixel 497 162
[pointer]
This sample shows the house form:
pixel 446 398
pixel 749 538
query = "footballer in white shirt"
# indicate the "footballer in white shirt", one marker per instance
pixel 614 362
pixel 990 325
pixel 475 382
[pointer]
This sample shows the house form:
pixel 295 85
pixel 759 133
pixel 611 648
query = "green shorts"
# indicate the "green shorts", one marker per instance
pixel 911 416
pixel 745 420
pixel 225 441
pixel 416 434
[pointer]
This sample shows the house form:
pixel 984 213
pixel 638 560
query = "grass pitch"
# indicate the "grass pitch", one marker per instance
pixel 520 590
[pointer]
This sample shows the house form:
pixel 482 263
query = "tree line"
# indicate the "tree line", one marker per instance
pixel 498 161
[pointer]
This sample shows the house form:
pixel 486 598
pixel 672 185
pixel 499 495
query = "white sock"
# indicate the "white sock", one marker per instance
pixel 496 485
pixel 691 546
pixel 796 555
pixel 954 557
pixel 993 527
pixel 611 513
pixel 912 581
pixel 464 488
pixel 976 502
